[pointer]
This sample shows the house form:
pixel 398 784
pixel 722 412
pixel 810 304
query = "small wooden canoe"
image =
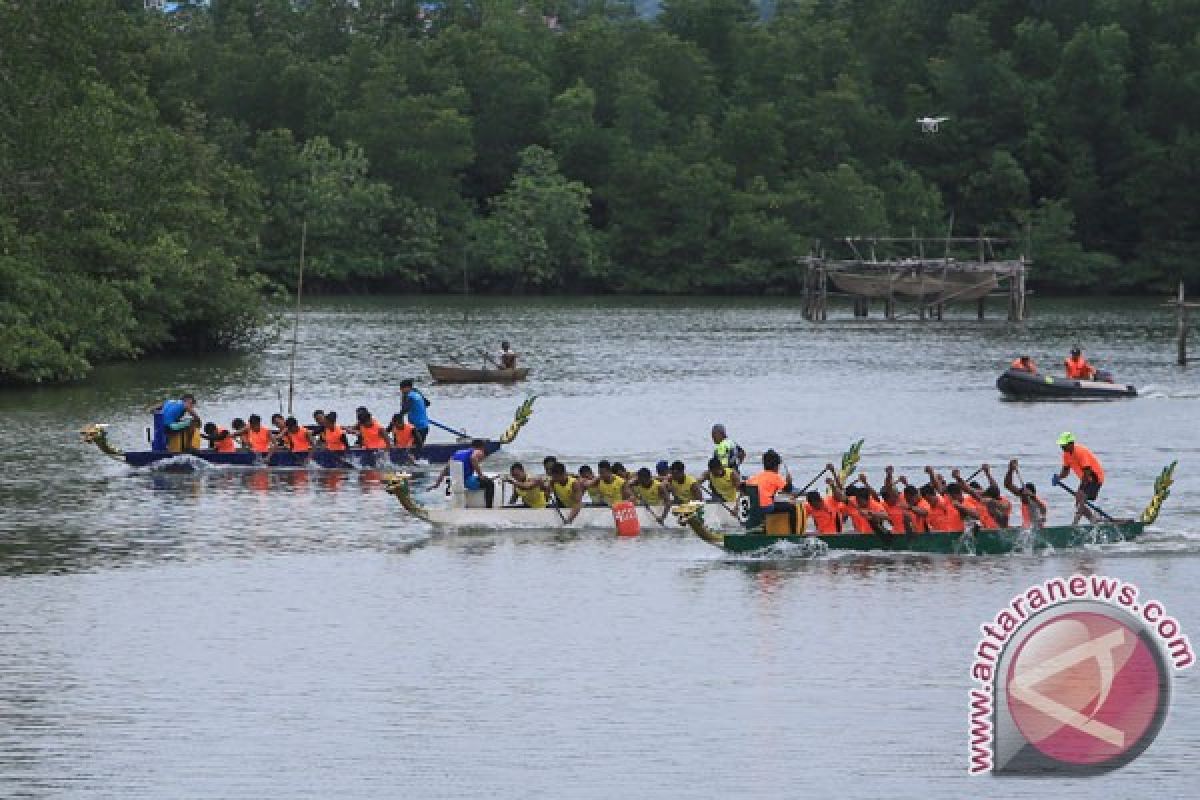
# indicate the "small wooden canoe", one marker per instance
pixel 447 374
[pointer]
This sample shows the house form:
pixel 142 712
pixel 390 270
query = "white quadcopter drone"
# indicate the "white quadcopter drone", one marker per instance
pixel 930 124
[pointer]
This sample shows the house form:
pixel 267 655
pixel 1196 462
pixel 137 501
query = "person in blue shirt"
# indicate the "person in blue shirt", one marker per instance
pixel 174 421
pixel 471 459
pixel 414 407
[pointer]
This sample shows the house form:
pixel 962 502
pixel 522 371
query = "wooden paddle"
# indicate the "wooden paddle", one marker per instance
pixel 1075 493
pixel 646 505
pixel 717 497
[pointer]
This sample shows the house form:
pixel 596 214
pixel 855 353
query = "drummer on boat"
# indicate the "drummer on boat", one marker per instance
pixel 176 425
pixel 471 459
pixel 770 482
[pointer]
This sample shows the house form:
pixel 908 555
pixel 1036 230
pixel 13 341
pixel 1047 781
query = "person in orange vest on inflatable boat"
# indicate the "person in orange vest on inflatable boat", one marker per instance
pixel 1024 364
pixel 1078 368
pixel 1083 462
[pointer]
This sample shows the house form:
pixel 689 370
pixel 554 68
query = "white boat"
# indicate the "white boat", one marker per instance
pixel 467 509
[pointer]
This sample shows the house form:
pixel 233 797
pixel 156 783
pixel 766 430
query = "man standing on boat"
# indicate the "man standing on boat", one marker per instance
pixel 414 407
pixel 726 450
pixel 1085 465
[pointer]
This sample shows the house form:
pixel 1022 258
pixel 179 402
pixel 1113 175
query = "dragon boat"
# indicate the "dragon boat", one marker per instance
pixel 1016 384
pixel 756 538
pixel 353 458
pixel 467 511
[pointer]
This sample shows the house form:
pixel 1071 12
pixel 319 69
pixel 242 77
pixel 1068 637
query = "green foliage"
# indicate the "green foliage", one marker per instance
pixel 157 170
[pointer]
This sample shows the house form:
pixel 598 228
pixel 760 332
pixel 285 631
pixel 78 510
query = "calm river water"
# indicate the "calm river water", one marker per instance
pixel 236 634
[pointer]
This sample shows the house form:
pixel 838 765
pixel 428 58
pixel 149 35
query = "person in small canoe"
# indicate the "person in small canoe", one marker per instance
pixel 722 480
pixel 1078 367
pixel 333 436
pixel 219 439
pixel 415 408
pixel 566 490
pixel 609 487
pixel 471 459
pixel 371 435
pixel 768 484
pixel 1083 462
pixel 255 437
pixel 401 432
pixel 1033 508
pixel 683 487
pixel 296 437
pixel 508 358
pixel 648 491
pixel 726 450
pixel 529 492
pixel 1024 364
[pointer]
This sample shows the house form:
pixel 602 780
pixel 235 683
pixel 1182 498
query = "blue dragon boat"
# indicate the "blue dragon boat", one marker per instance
pixel 353 458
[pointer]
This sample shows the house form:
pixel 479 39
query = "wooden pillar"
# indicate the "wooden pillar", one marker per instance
pixel 941 308
pixel 889 307
pixel 979 311
pixel 1181 316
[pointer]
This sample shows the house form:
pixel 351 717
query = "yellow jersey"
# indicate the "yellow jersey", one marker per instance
pixel 533 497
pixel 682 489
pixel 648 495
pixel 723 485
pixel 565 492
pixel 607 493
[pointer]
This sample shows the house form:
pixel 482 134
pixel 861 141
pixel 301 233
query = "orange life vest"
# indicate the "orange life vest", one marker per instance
pixel 857 518
pixel 944 517
pixel 225 444
pixel 986 520
pixel 767 482
pixel 824 518
pixel 920 522
pixel 1079 369
pixel 259 440
pixel 297 442
pixel 896 515
pixel 372 436
pixel 334 438
pixel 402 435
pixel 1020 365
pixel 1081 457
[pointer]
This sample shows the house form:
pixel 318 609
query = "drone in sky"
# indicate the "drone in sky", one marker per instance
pixel 930 124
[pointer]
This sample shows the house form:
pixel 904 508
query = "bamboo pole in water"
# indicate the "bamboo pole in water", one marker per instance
pixel 296 322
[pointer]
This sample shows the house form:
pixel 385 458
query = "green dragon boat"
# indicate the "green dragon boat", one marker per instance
pixel 972 542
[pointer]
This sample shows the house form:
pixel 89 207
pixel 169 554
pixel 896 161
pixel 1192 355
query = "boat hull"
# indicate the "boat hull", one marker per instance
pixel 354 458
pixel 600 517
pixel 447 374
pixel 988 542
pixel 1024 386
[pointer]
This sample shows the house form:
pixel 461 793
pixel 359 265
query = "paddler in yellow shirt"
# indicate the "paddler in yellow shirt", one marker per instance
pixel 722 480
pixel 647 491
pixel 683 487
pixel 566 491
pixel 608 487
pixel 530 492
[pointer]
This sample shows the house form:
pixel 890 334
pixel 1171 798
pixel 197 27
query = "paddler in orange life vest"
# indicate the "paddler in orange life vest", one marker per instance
pixel 1024 364
pixel 900 519
pixel 1078 368
pixel 1033 508
pixel 824 511
pixel 401 432
pixel 861 506
pixel 371 435
pixel 770 482
pixel 296 437
pixel 983 505
pixel 255 437
pixel 333 436
pixel 1085 465
pixel 220 439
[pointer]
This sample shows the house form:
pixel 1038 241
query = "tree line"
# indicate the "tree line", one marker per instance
pixel 157 169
